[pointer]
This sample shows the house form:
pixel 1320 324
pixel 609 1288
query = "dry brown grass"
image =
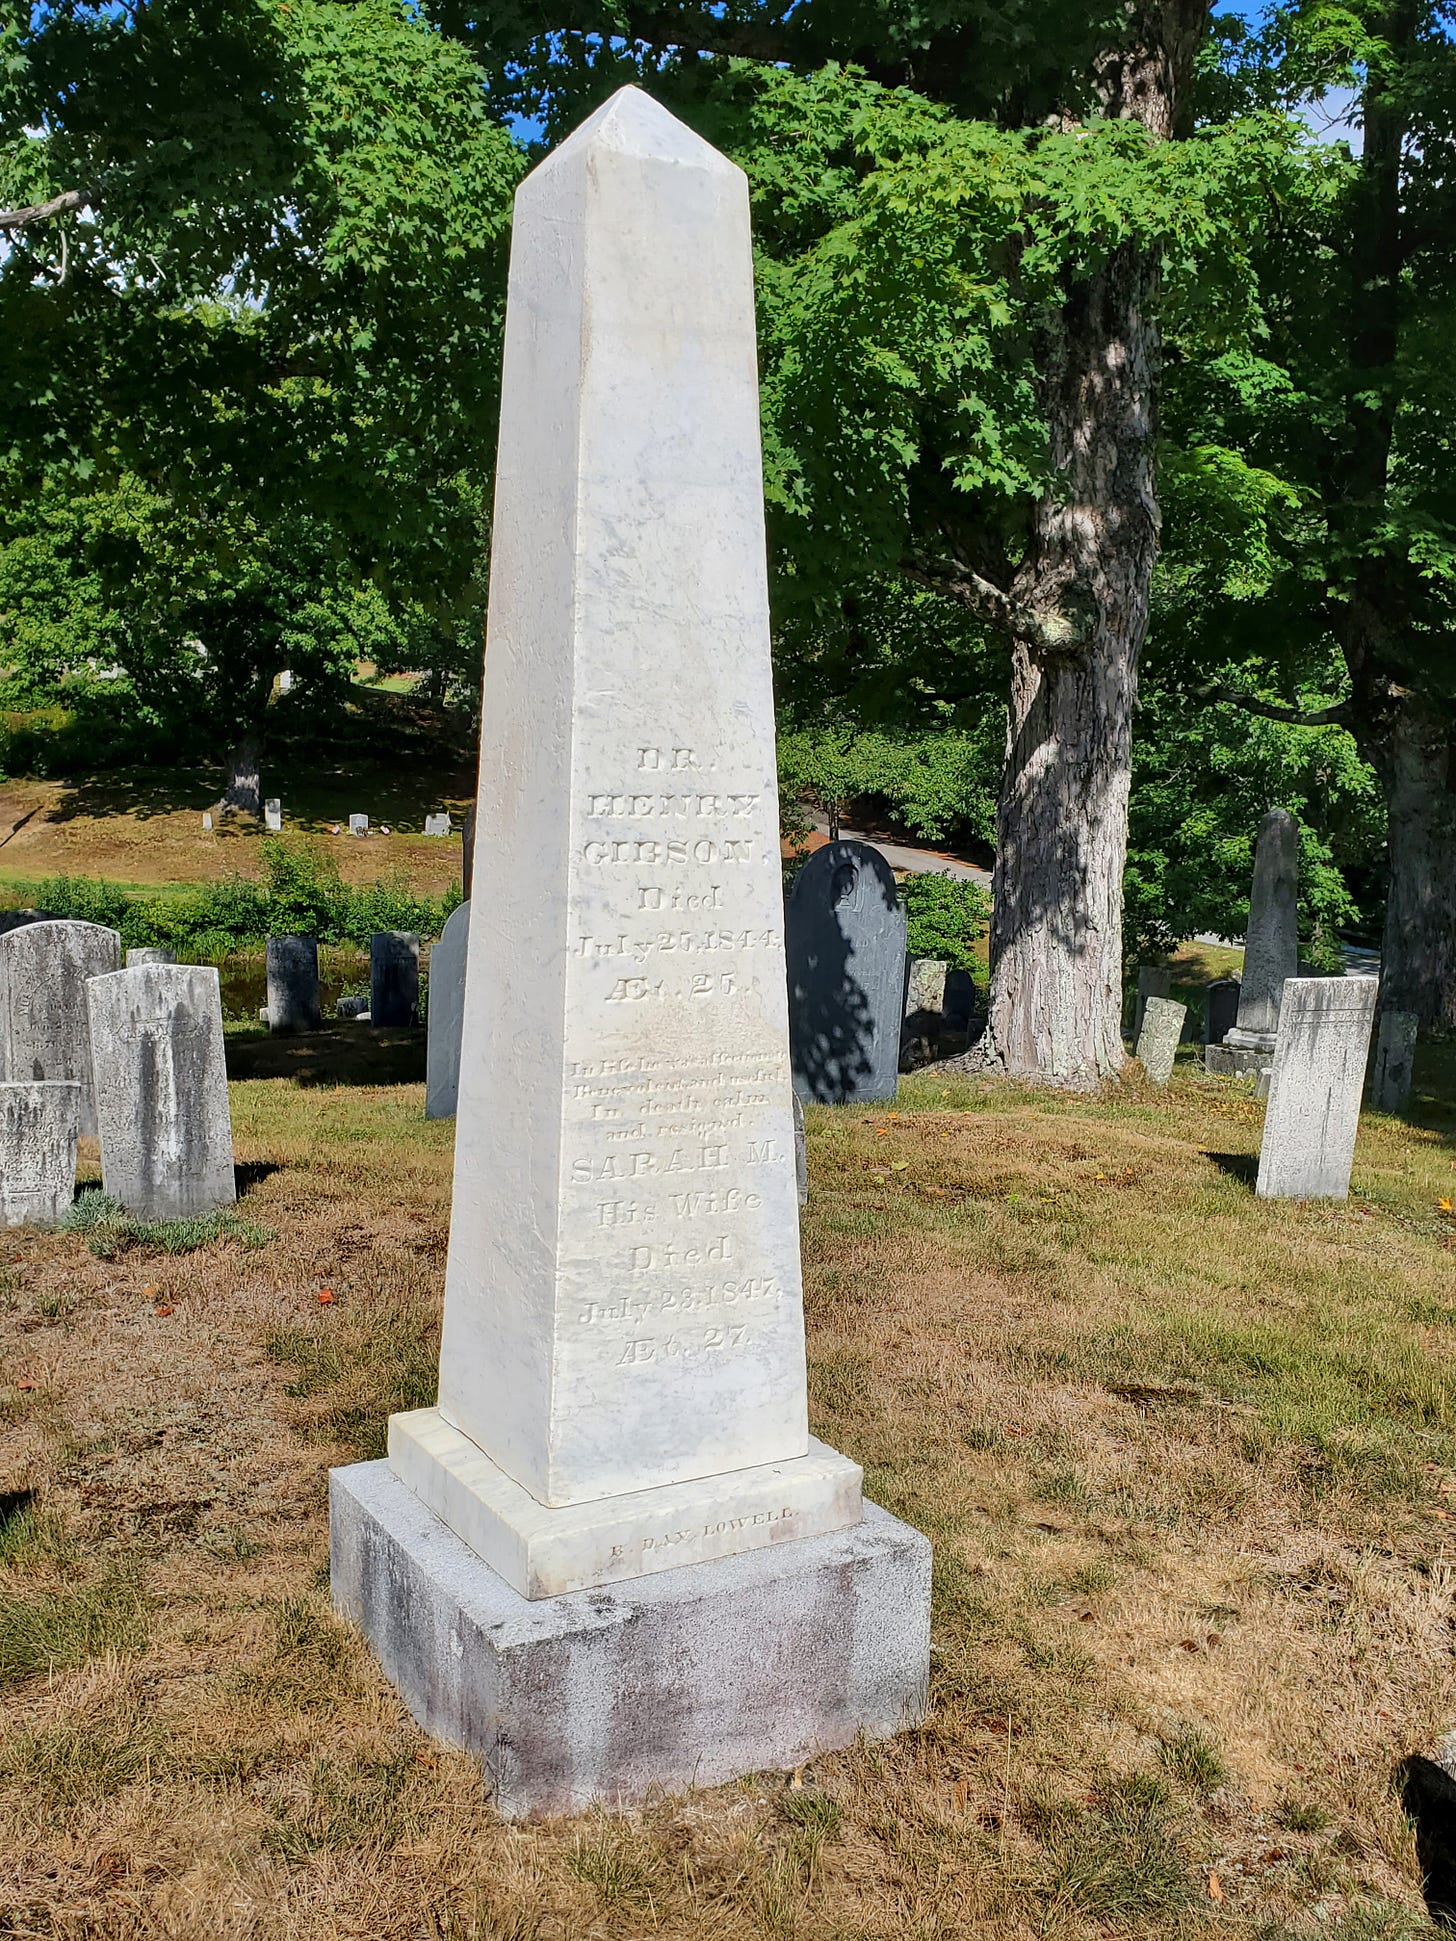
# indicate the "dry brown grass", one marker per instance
pixel 1184 1458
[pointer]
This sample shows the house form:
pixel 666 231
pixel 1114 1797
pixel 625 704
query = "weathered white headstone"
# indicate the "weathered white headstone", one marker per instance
pixel 446 1015
pixel 44 1027
pixel 1395 1059
pixel 207 822
pixel 622 1382
pixel 161 1090
pixel 1314 1092
pixel 925 985
pixel 39 1123
pixel 273 814
pixel 149 954
pixel 293 984
pixel 358 825
pixel 285 681
pixel 1157 1044
pixel 438 825
pixel 1153 980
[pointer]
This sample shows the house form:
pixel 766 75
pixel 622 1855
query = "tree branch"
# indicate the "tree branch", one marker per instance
pixel 1047 634
pixel 705 33
pixel 1338 715
pixel 59 205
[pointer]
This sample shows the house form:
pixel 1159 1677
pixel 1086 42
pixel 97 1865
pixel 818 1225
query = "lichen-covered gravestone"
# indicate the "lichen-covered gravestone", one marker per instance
pixel 845 935
pixel 1271 949
pixel 39 1123
pixel 613 1561
pixel 1314 1092
pixel 394 977
pixel 150 954
pixel 161 1090
pixel 1157 1044
pixel 1153 980
pixel 1395 1058
pixel 44 1026
pixel 293 984
pixel 446 1014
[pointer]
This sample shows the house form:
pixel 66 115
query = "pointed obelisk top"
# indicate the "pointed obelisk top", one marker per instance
pixel 632 123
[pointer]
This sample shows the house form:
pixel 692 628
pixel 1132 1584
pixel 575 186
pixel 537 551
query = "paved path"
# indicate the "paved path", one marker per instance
pixel 926 862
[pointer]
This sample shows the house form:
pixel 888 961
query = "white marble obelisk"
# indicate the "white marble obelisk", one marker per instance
pixel 622 1379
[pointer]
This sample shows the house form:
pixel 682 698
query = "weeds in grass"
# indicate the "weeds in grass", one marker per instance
pixel 1194 1760
pixel 618 1862
pixel 1120 1860
pixel 1302 1816
pixel 48 1631
pixel 110 1230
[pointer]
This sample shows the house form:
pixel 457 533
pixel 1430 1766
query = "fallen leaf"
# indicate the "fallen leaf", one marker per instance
pixel 899 1165
pixel 1215 1888
pixel 27 1385
pixel 326 1295
pixel 162 1312
pixel 959 1793
pixel 150 1289
pixel 1188 1644
pixel 1214 1638
pixel 796 1780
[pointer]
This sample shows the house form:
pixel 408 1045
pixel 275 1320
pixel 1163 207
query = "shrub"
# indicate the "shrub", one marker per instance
pixel 946 918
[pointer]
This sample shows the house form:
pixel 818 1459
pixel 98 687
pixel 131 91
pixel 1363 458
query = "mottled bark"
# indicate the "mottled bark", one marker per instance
pixel 1411 743
pixel 243 789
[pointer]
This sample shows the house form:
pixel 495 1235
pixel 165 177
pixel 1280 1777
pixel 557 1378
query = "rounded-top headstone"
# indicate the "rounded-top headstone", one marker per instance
pixel 161 1090
pixel 1271 943
pixel 446 1015
pixel 394 977
pixel 845 943
pixel 293 984
pixel 150 954
pixel 44 1026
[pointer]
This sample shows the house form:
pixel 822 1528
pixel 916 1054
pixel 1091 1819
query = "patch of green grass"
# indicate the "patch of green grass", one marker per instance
pixel 1302 1816
pixel 1194 1760
pixel 110 1230
pixel 351 1803
pixel 618 1862
pixel 80 1760
pixel 1118 1861
pixel 380 1360
pixel 52 1630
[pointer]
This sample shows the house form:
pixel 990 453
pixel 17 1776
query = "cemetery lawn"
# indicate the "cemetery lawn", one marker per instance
pixel 1188 1461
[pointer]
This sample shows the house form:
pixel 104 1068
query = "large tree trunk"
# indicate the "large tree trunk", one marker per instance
pixel 1413 750
pixel 243 789
pixel 1055 1006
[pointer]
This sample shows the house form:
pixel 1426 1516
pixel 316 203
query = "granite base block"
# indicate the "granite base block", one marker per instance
pixel 607 1696
pixel 1228 1061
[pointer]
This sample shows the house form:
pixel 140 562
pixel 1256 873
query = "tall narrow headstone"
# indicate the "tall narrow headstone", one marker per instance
pixel 622 1382
pixel 394 977
pixel 845 932
pixel 1314 1091
pixel 39 1123
pixel 149 954
pixel 273 814
pixel 1395 1058
pixel 1271 948
pixel 293 984
pixel 446 1014
pixel 1157 1044
pixel 161 1090
pixel 44 1026
pixel 960 999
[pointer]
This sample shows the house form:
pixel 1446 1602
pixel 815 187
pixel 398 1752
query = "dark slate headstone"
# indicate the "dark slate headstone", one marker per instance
pixel 446 1016
pixel 845 942
pixel 1223 1010
pixel 394 977
pixel 293 984
pixel 960 999
pixel 17 919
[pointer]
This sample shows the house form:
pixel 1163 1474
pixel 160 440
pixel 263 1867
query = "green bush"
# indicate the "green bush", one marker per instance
pixel 302 894
pixel 946 918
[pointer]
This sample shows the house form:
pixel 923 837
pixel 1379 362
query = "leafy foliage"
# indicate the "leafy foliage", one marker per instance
pixel 947 918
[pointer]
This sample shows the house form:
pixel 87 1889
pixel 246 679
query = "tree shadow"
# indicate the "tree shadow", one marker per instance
pixel 1428 1794
pixel 1238 1165
pixel 845 949
pixel 248 1173
pixel 348 1054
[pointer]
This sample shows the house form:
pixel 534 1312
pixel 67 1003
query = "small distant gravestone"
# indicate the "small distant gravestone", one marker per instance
pixel 925 985
pixel 438 825
pixel 1223 1010
pixel 352 1007
pixel 161 1090
pixel 358 825
pixel 394 977
pixel 1395 1057
pixel 44 1026
pixel 39 1123
pixel 150 954
pixel 1271 949
pixel 1158 1040
pixel 845 943
pixel 207 822
pixel 273 814
pixel 285 681
pixel 1153 980
pixel 293 984
pixel 446 1015
pixel 1314 1090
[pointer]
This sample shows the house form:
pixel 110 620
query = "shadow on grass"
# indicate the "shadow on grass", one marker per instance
pixel 1238 1165
pixel 252 1172
pixel 344 1054
pixel 1428 1794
